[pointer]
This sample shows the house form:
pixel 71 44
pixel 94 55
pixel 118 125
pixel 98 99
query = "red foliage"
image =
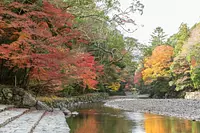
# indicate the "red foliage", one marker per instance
pixel 88 70
pixel 39 39
pixel 137 78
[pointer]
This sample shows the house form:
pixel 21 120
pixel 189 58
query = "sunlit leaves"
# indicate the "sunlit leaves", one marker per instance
pixel 157 65
pixel 114 86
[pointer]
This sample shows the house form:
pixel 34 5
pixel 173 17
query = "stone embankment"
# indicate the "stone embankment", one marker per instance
pixel 21 120
pixel 20 98
pixel 182 108
pixel 75 101
pixel 12 95
pixel 37 117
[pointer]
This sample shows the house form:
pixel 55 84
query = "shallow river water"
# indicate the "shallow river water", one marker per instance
pixel 96 118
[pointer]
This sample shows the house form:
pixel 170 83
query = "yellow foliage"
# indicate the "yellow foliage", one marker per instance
pixel 49 99
pixel 157 65
pixel 114 86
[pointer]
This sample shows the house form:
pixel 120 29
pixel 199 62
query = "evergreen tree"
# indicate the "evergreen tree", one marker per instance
pixel 158 37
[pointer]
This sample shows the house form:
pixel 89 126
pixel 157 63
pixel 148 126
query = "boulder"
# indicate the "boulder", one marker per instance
pixel 19 91
pixel 66 111
pixel 42 106
pixel 28 100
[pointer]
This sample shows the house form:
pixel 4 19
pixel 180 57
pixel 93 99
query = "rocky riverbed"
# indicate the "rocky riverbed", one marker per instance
pixel 182 108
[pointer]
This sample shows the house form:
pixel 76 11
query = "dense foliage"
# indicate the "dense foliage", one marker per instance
pixel 77 47
pixel 36 46
pixel 52 45
pixel 157 65
pixel 173 69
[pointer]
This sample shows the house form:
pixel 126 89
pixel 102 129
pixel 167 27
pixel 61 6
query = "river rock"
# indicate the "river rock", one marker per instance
pixel 7 92
pixel 29 100
pixel 20 91
pixel 66 111
pixel 42 106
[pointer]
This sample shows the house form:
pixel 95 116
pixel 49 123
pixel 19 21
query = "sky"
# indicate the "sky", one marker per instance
pixel 168 14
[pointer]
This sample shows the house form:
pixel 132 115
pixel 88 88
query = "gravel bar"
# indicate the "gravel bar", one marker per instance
pixel 182 108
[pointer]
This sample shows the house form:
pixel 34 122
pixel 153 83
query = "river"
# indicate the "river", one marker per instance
pixel 96 118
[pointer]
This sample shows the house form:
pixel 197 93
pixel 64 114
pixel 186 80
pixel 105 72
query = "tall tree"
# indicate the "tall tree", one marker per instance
pixel 177 40
pixel 158 37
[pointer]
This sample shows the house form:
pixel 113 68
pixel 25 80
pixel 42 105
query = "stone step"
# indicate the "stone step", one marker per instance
pixel 9 115
pixel 52 122
pixel 4 107
pixel 23 124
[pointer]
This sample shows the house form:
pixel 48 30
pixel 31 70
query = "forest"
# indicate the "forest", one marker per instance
pixel 54 45
pixel 76 47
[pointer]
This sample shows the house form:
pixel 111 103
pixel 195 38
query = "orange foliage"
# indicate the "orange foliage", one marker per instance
pixel 157 65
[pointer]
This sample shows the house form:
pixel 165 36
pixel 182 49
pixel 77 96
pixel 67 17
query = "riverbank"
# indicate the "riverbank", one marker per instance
pixel 182 108
pixel 71 102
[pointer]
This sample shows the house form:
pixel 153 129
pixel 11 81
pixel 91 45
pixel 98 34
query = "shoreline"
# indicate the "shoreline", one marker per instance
pixel 180 108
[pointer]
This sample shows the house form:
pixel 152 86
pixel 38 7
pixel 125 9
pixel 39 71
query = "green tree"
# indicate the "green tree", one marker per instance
pixel 158 37
pixel 177 40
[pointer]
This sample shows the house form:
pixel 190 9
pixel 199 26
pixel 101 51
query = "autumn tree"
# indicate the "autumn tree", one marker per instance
pixel 185 65
pixel 36 47
pixel 157 65
pixel 156 73
pixel 56 43
pixel 194 61
pixel 138 75
pixel 105 41
pixel 180 69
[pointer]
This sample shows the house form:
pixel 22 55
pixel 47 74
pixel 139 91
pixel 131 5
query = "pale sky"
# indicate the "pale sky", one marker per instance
pixel 168 14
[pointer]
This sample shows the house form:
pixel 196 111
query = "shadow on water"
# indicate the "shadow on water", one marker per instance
pixel 96 118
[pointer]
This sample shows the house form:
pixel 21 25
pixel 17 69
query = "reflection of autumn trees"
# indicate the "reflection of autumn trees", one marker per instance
pixel 153 125
pixel 157 124
pixel 99 120
pixel 89 125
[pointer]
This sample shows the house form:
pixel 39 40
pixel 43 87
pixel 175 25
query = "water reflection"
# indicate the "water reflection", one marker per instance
pixel 159 124
pixel 138 119
pixel 99 119
pixel 88 124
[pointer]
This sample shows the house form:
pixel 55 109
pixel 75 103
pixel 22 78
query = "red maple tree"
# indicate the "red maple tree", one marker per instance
pixel 38 40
